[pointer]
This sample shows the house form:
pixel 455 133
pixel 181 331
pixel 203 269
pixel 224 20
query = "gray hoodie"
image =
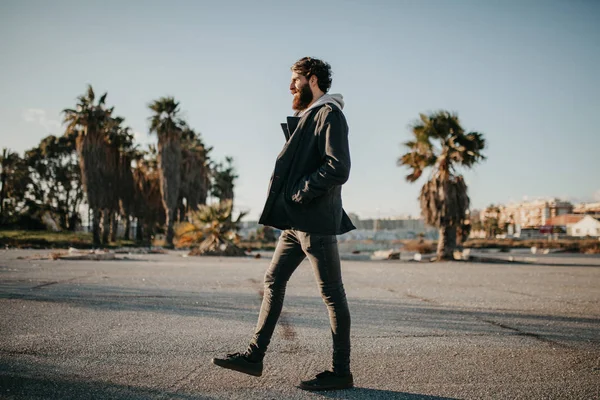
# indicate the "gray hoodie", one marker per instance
pixel 334 98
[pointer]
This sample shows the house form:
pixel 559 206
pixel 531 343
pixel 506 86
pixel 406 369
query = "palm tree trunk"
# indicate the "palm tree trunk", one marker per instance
pixel 170 181
pixel 446 243
pixel 114 226
pixel 73 222
pixel 181 212
pixel 148 234
pixel 127 227
pixel 170 231
pixel 64 220
pixel 105 226
pixel 96 214
pixel 139 230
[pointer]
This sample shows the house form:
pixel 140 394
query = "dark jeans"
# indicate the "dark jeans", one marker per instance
pixel 322 252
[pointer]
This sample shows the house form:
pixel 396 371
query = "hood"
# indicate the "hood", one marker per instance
pixel 334 98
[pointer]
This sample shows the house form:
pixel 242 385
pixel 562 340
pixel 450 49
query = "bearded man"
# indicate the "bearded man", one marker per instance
pixel 305 201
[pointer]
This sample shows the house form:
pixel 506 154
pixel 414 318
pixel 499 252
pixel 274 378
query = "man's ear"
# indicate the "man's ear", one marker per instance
pixel 313 81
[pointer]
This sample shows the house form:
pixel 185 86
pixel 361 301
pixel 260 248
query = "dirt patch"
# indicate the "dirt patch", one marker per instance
pixel 412 296
pixel 287 330
pixel 35 257
pixel 55 255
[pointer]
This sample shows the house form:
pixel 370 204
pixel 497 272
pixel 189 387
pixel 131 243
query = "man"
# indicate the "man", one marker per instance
pixel 304 200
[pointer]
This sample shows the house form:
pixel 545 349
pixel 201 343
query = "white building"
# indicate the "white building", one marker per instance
pixel 587 226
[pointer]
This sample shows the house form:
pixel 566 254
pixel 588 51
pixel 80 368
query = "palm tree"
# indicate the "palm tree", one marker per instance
pixel 442 144
pixel 120 140
pixel 89 121
pixel 126 189
pixel 213 225
pixel 148 205
pixel 195 174
pixel 169 128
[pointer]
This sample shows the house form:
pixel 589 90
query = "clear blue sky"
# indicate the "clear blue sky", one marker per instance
pixel 525 73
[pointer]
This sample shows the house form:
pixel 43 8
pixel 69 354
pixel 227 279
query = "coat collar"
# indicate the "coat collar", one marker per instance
pixel 294 130
pixel 293 122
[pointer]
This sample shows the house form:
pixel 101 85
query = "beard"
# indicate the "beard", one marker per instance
pixel 302 98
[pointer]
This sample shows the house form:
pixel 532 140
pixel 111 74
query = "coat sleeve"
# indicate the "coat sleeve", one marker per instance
pixel 332 138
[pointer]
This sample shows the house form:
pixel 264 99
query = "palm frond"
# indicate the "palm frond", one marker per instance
pixel 102 100
pixel 90 95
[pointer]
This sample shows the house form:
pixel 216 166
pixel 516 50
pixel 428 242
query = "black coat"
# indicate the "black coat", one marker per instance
pixel 305 192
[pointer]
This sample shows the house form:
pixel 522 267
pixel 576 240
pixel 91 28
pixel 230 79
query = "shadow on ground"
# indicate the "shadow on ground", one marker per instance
pixel 21 379
pixel 40 388
pixel 364 393
pixel 426 318
pixel 59 388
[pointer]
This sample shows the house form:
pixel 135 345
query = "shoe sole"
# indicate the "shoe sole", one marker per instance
pixel 324 388
pixel 234 367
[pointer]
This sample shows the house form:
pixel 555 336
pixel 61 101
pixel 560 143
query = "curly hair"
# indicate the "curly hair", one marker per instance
pixel 309 66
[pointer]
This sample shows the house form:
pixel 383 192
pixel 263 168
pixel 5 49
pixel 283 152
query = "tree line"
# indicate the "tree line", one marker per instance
pixel 96 162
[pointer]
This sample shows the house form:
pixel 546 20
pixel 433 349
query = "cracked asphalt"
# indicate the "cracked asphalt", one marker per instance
pixel 146 327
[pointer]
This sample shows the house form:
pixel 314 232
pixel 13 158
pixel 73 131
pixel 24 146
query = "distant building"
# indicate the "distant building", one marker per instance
pixel 386 229
pixel 533 214
pixel 587 226
pixel 386 224
pixel 527 215
pixel 249 230
pixel 592 209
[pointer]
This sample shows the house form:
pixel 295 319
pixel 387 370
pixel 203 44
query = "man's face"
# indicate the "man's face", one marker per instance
pixel 300 89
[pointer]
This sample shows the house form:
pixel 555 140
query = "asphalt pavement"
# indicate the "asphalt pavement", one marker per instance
pixel 146 326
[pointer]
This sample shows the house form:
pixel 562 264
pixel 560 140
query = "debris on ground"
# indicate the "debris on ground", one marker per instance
pixel 386 255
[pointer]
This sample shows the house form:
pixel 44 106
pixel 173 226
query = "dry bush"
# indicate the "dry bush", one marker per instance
pixel 187 235
pixel 591 248
pixel 225 250
pixel 423 247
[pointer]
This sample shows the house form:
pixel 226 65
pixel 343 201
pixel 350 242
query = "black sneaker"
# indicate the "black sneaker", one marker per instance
pixel 241 363
pixel 328 381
